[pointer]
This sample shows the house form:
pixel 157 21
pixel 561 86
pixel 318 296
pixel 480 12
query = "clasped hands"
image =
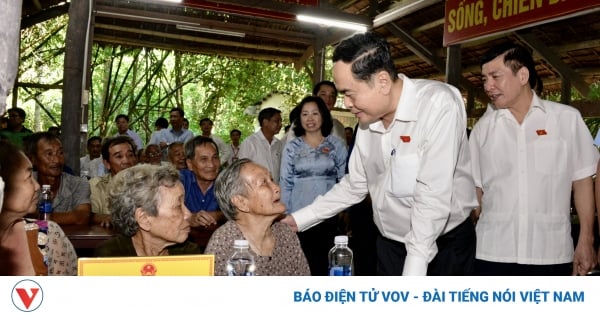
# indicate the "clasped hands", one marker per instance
pixel 203 219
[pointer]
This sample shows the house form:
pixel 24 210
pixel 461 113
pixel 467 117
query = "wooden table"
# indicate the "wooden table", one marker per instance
pixel 87 236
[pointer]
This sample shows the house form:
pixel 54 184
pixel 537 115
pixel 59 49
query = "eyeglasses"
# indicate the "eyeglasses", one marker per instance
pixel 153 155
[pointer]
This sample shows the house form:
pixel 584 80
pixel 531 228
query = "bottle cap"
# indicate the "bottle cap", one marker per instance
pixel 341 239
pixel 45 186
pixel 241 243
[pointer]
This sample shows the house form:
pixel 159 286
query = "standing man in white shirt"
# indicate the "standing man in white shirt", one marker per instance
pixel 160 124
pixel 528 154
pixel 94 149
pixel 262 147
pixel 122 121
pixel 206 125
pixel 411 155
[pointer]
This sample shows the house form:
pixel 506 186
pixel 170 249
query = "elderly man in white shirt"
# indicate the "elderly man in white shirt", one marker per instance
pixel 528 155
pixel 411 155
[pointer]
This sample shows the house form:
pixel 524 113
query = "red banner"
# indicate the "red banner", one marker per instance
pixel 468 19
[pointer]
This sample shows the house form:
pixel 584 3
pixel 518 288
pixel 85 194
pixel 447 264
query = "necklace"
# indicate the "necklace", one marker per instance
pixel 262 248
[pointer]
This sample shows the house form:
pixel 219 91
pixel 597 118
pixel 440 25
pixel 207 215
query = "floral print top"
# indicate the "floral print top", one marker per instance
pixel 58 252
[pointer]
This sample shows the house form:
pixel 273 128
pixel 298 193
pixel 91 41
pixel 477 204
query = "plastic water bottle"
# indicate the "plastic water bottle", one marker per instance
pixel 45 207
pixel 241 263
pixel 341 259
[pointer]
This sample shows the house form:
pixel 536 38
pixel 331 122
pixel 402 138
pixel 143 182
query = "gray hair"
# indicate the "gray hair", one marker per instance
pixel 228 184
pixel 138 187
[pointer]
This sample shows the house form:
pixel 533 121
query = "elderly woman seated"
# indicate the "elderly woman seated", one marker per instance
pixel 249 199
pixel 28 247
pixel 147 206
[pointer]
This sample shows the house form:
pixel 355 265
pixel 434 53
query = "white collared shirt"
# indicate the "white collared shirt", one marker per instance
pixel 224 149
pixel 417 172
pixel 526 173
pixel 84 163
pixel 135 137
pixel 257 148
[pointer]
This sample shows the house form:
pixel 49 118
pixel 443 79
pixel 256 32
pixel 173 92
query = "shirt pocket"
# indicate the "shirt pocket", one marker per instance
pixel 550 156
pixel 404 170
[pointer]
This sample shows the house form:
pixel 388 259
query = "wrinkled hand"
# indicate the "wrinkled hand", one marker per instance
pixel 203 218
pixel 584 259
pixel 289 220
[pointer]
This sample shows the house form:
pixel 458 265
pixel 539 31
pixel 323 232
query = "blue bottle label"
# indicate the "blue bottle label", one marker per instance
pixel 46 207
pixel 340 271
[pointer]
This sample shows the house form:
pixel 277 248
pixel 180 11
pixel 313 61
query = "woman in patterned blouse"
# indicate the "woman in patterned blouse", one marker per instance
pixel 249 199
pixel 24 250
pixel 311 164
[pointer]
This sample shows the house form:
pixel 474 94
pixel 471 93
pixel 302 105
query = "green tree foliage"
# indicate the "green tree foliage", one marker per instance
pixel 146 83
pixel 40 73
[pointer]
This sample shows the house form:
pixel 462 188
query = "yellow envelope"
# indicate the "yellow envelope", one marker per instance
pixel 183 265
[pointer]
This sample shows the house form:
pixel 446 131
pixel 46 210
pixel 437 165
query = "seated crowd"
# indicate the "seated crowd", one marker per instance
pixel 151 198
pixel 155 197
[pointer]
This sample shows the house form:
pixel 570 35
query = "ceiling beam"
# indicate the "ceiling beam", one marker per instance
pixel 428 26
pixel 112 40
pixel 421 51
pixel 298 64
pixel 295 9
pixel 587 108
pixel 174 19
pixel 44 15
pixel 199 39
pixel 554 59
pixel 400 10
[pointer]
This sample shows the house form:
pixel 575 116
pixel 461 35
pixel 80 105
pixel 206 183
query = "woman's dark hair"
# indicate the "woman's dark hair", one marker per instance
pixel 327 122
